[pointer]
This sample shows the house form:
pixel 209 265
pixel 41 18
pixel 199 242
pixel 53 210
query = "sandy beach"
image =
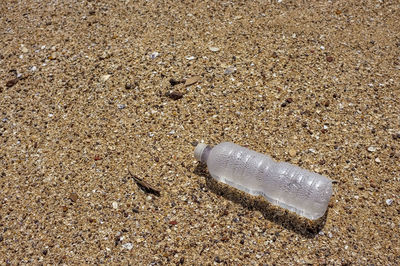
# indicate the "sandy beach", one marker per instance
pixel 94 94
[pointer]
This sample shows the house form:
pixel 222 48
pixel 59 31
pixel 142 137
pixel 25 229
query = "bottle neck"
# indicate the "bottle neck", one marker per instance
pixel 205 153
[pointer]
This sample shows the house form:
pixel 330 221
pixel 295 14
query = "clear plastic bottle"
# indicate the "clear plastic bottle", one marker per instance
pixel 281 183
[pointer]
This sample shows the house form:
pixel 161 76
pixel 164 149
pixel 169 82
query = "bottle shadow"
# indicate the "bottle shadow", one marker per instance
pixel 289 220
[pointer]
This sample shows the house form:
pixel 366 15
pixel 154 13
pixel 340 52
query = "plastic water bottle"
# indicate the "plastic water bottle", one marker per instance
pixel 281 183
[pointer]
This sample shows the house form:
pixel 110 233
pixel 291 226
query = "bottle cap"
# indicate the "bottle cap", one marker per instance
pixel 198 151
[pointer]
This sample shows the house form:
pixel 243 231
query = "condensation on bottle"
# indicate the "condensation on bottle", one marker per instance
pixel 283 184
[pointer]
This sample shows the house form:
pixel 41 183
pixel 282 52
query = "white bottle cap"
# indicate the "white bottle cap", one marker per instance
pixel 198 151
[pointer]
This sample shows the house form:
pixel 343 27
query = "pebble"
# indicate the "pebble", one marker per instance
pixel 24 49
pixel 127 246
pixel 229 70
pixel 329 58
pixel 154 55
pixel 213 49
pixel 73 196
pixel 377 160
pixel 105 77
pixel 53 56
pixel 174 82
pixel 194 143
pixel 174 95
pixel 389 202
pixel 191 80
pixel 289 100
pixel 115 205
pixel 190 58
pixel 173 222
pixel 11 83
pixel 148 198
pixel 371 149
pixel 121 106
pixel 292 152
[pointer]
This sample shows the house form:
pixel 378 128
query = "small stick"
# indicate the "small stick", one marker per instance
pixel 146 187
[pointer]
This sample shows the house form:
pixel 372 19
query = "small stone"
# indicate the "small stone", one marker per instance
pixel 213 49
pixel 389 202
pixel 371 149
pixel 24 49
pixel 11 83
pixel 377 160
pixel 53 56
pixel 104 78
pixel 92 12
pixel 127 246
pixel 173 222
pixel 190 58
pixel 121 106
pixel 191 81
pixel 148 198
pixel 115 205
pixel 194 143
pixel 174 82
pixel 289 100
pixel 64 208
pixel 230 70
pixel 174 95
pixel 292 152
pixel 154 55
pixel 329 58
pixel 217 259
pixel 73 196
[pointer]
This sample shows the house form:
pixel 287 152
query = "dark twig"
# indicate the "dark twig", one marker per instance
pixel 146 187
